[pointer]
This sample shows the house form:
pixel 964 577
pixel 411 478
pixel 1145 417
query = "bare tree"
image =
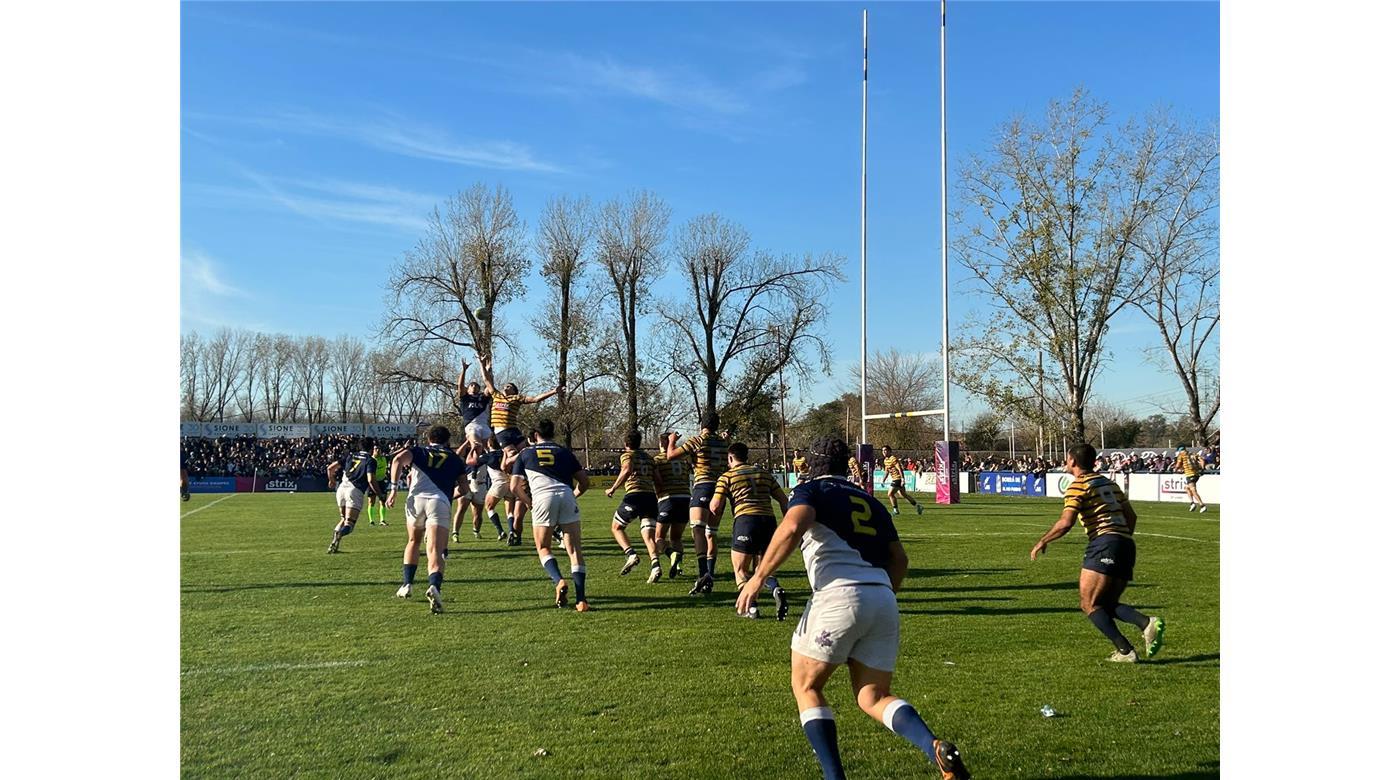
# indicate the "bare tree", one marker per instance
pixel 275 375
pixel 901 382
pixel 630 234
pixel 1181 294
pixel 312 361
pixel 189 375
pixel 748 313
pixel 562 240
pixel 250 353
pixel 347 370
pixel 472 256
pixel 1056 211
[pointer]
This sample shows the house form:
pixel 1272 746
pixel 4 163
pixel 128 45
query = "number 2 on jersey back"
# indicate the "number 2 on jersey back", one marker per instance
pixel 860 516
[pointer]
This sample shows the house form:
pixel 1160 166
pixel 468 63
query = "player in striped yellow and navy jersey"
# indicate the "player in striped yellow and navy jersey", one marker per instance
pixel 1186 464
pixel 751 492
pixel 1096 502
pixel 505 424
pixel 708 454
pixel 894 477
pixel 672 506
pixel 635 472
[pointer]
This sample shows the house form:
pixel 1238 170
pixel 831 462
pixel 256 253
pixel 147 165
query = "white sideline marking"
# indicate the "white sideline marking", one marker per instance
pixel 267 551
pixel 1025 533
pixel 273 667
pixel 1184 538
pixel 211 503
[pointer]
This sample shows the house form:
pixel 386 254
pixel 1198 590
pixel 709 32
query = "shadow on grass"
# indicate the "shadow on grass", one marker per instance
pixel 973 610
pixel 981 588
pixel 918 572
pixel 1204 659
pixel 1209 771
pixel 390 584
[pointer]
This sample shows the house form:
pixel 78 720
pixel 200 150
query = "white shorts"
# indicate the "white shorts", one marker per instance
pixel 556 509
pixel 421 511
pixel 479 427
pixel 501 490
pixel 850 621
pixel 347 494
pixel 478 494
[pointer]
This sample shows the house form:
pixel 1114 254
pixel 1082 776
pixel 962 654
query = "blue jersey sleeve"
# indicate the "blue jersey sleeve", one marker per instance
pixel 519 465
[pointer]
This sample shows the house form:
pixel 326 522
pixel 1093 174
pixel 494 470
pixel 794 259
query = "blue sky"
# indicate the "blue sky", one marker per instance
pixel 315 136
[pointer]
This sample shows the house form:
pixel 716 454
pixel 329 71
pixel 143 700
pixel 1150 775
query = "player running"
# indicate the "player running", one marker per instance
pixel 855 564
pixel 381 484
pixel 1109 520
pixel 1186 464
pixel 356 470
pixel 435 473
pixel 672 506
pixel 639 501
pixel 707 453
pixel 894 475
pixel 556 480
pixel 751 492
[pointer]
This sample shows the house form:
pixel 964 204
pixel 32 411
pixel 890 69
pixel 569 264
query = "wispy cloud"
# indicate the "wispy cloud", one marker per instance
pixel 677 88
pixel 328 199
pixel 200 275
pixel 396 134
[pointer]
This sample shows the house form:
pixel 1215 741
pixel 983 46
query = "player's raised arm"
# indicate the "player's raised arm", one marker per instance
pixel 1060 528
pixel 462 381
pixel 488 380
pixel 796 522
pixel 534 399
pixel 671 450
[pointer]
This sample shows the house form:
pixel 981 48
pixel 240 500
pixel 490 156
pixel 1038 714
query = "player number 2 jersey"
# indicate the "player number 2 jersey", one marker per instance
pixel 850 542
pixel 1099 502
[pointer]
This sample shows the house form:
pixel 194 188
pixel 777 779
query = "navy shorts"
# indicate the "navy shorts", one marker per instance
pixel 701 493
pixel 752 533
pixel 1112 555
pixel 507 437
pixel 636 505
pixel 673 509
pixel 1193 479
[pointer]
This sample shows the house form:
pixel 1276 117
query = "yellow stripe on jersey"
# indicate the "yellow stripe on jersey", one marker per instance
pixel 1099 502
pixel 856 470
pixel 893 470
pixel 674 476
pixel 641 479
pixel 799 464
pixel 1186 463
pixel 709 453
pixel 505 410
pixel 750 490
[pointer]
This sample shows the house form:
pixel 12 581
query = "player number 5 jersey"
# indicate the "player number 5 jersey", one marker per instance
pixel 850 542
pixel 549 467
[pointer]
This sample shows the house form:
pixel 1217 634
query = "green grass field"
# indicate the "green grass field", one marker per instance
pixel 298 663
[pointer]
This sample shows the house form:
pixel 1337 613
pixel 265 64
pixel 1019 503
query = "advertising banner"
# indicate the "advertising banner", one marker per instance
pixel 212 485
pixel 910 481
pixel 283 431
pixel 191 429
pixel 1172 487
pixel 337 429
pixel 945 468
pixel 1035 485
pixel 211 430
pixel 391 430
pixel 244 484
pixel 865 456
pixel 292 485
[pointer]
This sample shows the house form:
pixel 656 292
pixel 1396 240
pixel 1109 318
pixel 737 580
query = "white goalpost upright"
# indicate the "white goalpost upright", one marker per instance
pixel 943 221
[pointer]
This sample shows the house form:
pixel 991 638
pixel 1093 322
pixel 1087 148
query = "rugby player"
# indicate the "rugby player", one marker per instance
pixel 356 470
pixel 855 472
pixel 672 506
pixel 1186 464
pixel 894 475
pixel 1109 520
pixel 475 408
pixel 436 472
pixel 708 455
pixel 799 465
pixel 381 484
pixel 556 480
pixel 184 477
pixel 638 502
pixel 751 492
pixel 855 564
pixel 478 481
pixel 505 422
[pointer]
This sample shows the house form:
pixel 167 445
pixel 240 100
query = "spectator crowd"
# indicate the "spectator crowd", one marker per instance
pixel 243 456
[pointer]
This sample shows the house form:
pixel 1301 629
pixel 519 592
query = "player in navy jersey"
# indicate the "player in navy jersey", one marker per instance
pixel 855 564
pixel 1099 505
pixel 436 473
pixel 475 408
pixel 356 470
pixel 556 480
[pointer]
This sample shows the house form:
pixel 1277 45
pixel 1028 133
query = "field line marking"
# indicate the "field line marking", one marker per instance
pixel 211 503
pixel 1183 538
pixel 273 667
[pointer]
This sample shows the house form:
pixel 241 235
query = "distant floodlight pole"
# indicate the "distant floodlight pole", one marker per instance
pixel 943 190
pixel 864 76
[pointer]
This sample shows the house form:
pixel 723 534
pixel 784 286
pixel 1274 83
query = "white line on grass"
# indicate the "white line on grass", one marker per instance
pixel 1024 533
pixel 211 503
pixel 273 667
pixel 1183 538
